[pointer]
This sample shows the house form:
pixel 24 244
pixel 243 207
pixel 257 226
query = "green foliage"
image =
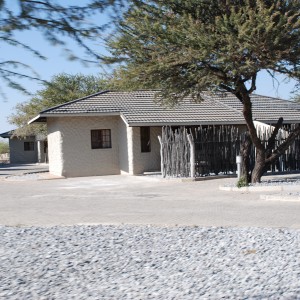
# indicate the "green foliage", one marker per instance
pixel 61 89
pixel 296 98
pixel 4 147
pixel 56 21
pixel 185 47
pixel 242 182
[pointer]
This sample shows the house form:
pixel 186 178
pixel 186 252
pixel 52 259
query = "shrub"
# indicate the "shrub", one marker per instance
pixel 242 182
pixel 4 147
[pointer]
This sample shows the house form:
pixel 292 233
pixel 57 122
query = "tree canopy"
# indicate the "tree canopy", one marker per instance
pixel 61 89
pixel 187 47
pixel 199 45
pixel 56 22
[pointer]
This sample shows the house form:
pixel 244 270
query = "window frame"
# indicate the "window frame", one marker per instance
pixel 29 146
pixel 101 139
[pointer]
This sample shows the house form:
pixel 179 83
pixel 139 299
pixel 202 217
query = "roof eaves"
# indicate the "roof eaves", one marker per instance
pixel 37 119
pixel 42 117
pixel 124 119
pixel 159 124
pixel 274 121
pixel 7 134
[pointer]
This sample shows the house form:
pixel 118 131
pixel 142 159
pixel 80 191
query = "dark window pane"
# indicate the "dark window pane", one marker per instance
pixel 28 146
pixel 145 139
pixel 101 138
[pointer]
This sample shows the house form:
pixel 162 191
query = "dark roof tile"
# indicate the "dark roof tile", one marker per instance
pixel 140 107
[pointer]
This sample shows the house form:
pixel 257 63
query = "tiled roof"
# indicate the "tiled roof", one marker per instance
pixel 7 134
pixel 140 108
pixel 266 109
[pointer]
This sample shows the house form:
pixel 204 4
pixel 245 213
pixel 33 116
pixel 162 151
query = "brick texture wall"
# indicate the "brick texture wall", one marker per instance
pixel 55 154
pixel 149 161
pixel 71 155
pixel 124 135
pixel 70 152
pixel 17 153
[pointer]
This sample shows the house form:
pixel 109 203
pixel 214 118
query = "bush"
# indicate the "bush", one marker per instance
pixel 242 182
pixel 4 147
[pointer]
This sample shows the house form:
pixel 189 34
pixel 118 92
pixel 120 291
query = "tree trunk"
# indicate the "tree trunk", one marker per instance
pixel 247 112
pixel 265 156
pixel 245 153
pixel 257 173
pixel 259 168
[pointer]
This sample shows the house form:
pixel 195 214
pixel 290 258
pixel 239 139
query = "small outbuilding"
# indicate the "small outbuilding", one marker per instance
pixel 26 150
pixel 117 132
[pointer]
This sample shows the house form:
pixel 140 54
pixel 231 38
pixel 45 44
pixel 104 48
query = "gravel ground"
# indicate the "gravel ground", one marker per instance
pixel 270 182
pixel 147 262
pixel 24 177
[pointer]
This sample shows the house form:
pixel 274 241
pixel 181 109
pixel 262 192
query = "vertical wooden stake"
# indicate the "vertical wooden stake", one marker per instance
pixel 192 156
pixel 161 158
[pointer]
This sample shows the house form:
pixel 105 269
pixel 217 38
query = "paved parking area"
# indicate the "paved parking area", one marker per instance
pixel 18 169
pixel 138 200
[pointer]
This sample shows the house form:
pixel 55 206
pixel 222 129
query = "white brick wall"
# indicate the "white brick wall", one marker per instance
pixel 70 152
pixel 55 146
pixel 71 155
pixel 131 149
pixel 124 134
pixel 17 153
pixel 149 161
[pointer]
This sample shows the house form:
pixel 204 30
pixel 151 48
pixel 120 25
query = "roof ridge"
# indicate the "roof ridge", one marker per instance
pixel 227 105
pixel 73 101
pixel 265 96
pixel 283 101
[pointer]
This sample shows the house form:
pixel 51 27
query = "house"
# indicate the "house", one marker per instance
pixel 117 132
pixel 29 149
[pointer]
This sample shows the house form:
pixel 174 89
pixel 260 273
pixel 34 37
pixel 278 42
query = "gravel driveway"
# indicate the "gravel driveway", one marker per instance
pixel 236 246
pixel 149 262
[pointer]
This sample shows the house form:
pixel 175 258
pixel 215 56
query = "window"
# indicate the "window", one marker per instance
pixel 145 139
pixel 101 138
pixel 28 146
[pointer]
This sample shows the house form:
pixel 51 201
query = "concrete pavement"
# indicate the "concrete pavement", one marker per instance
pixel 20 169
pixel 138 200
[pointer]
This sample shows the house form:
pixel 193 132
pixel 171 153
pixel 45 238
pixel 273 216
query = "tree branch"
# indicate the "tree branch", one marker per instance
pixel 227 88
pixel 253 84
pixel 242 92
pixel 281 148
pixel 271 140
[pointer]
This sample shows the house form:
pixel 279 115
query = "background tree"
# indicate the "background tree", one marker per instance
pixel 297 98
pixel 4 147
pixel 56 22
pixel 61 89
pixel 187 47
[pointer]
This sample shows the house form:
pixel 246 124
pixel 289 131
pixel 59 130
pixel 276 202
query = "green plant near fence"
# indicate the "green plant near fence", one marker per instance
pixel 4 147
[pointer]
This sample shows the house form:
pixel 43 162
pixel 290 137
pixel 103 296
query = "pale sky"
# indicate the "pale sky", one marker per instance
pixel 58 63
